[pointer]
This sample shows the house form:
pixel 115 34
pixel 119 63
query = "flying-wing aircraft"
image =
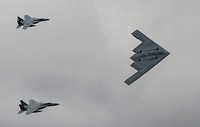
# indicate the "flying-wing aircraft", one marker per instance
pixel 34 106
pixel 146 56
pixel 28 21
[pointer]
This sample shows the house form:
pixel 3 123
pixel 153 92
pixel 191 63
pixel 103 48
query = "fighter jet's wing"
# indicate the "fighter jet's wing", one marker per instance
pixel 144 65
pixel 27 17
pixel 33 102
pixel 30 110
pixel 27 24
pixel 27 21
pixel 32 107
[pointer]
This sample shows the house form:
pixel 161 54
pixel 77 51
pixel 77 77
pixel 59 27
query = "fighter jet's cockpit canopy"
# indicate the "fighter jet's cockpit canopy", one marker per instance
pixel 28 21
pixel 146 56
pixel 34 106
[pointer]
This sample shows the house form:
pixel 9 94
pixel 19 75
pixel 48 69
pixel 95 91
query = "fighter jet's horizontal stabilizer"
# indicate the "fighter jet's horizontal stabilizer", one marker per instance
pixel 146 56
pixel 33 106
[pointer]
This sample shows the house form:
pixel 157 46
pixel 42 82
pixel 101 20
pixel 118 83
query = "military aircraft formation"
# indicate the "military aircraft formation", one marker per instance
pixel 147 55
pixel 33 106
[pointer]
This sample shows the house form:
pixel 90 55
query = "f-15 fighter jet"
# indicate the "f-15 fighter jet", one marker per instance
pixel 33 106
pixel 146 56
pixel 28 21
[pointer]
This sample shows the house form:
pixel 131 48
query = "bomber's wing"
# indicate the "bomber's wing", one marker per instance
pixel 144 65
pixel 147 43
pixel 32 107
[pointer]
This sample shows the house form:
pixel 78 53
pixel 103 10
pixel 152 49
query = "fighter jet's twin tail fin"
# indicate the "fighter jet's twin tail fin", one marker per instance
pixel 20 22
pixel 23 106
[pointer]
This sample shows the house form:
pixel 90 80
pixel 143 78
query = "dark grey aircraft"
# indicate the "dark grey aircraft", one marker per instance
pixel 33 106
pixel 28 21
pixel 146 56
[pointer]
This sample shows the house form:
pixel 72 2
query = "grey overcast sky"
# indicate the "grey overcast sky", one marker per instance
pixel 81 57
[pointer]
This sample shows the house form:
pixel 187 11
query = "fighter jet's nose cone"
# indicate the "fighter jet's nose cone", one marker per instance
pixel 42 19
pixel 56 104
pixel 46 19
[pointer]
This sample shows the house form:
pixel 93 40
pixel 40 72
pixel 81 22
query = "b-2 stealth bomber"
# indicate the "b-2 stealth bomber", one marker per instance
pixel 28 21
pixel 146 56
pixel 33 106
